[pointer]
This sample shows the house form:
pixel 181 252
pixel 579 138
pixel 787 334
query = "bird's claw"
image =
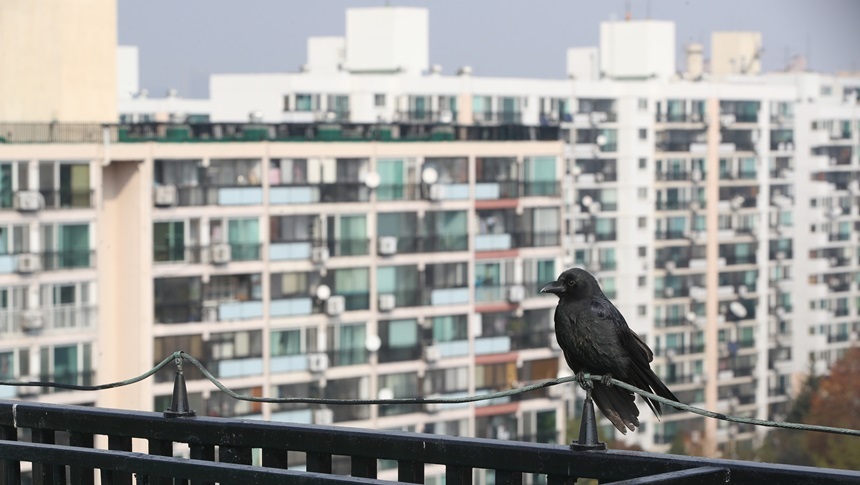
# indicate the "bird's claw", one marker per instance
pixel 584 383
pixel 606 380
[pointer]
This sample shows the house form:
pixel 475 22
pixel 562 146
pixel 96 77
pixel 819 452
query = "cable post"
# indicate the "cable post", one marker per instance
pixel 588 439
pixel 179 407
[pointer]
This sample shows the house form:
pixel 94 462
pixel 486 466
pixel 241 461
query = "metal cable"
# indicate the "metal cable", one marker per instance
pixel 178 356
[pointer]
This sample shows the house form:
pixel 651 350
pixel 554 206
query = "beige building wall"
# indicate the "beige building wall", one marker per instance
pixel 58 60
pixel 735 53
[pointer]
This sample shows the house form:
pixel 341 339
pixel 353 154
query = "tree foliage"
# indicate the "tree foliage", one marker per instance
pixel 837 403
pixel 829 401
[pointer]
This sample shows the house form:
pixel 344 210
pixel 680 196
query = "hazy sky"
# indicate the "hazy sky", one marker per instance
pixel 183 41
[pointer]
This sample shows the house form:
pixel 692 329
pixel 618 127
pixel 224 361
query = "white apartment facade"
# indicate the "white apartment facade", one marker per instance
pixel 692 199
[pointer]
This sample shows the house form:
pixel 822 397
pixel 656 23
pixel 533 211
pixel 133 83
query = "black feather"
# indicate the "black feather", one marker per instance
pixel 596 339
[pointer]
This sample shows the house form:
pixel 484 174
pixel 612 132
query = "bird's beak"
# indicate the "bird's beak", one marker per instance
pixel 554 287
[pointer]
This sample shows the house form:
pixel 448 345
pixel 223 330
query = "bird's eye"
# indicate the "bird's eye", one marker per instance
pixel 571 283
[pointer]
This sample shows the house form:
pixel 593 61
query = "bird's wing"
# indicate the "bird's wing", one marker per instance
pixel 639 373
pixel 638 351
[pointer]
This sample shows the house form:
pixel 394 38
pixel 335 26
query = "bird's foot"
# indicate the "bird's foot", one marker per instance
pixel 584 383
pixel 606 380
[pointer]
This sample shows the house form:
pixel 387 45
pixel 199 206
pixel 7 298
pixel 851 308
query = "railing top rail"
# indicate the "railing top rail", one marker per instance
pixel 402 446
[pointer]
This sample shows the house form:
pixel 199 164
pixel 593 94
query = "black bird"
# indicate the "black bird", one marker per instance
pixel 595 338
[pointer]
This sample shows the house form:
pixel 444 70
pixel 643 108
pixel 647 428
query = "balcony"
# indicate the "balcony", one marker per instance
pixel 67 199
pixel 497 117
pixel 423 116
pixel 48 319
pixel 316 193
pixel 348 247
pixel 531 239
pixel 69 259
pixel 179 254
pixel 321 451
pixel 219 195
pixel 396 192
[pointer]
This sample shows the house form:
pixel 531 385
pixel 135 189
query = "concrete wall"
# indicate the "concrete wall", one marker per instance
pixel 387 39
pixel 637 49
pixel 59 60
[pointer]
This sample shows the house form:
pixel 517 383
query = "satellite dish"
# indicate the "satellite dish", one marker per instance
pixel 429 176
pixel 373 343
pixel 371 180
pixel 601 140
pixel 587 200
pixel 691 317
pixel 323 292
pixel 386 393
pixel 738 309
pixel 577 170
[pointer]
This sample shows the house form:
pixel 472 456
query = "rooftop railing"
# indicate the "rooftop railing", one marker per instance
pixel 509 129
pixel 60 441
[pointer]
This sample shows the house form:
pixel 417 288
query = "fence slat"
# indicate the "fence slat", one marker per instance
pixel 410 471
pixel 319 462
pixel 363 466
pixel 81 475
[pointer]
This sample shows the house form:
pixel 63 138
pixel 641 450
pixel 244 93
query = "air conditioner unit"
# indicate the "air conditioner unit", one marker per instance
pixel 670 266
pixel 335 305
pixel 210 311
pixel 29 201
pixel 32 321
pixel 165 195
pixel 432 354
pixel 221 253
pixel 695 117
pixel 832 161
pixel 387 303
pixel 317 362
pixel 29 390
pixel 387 245
pixel 432 407
pixel 437 192
pixel 323 416
pixel 319 254
pixel 728 119
pixel 669 292
pixel 599 177
pixel 28 263
pixel 516 293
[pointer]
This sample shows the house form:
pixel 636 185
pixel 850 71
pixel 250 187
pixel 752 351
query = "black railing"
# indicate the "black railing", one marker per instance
pixel 438 244
pixel 348 247
pixel 67 199
pixel 69 259
pixel 390 192
pixel 509 129
pixel 178 312
pixel 532 239
pixel 231 442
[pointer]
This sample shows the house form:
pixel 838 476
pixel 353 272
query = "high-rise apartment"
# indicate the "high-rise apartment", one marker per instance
pixel 371 227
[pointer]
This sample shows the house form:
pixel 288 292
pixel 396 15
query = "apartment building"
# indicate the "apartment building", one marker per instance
pixel 719 211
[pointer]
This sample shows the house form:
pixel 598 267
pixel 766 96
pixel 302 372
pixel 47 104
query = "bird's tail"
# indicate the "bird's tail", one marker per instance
pixel 646 379
pixel 618 405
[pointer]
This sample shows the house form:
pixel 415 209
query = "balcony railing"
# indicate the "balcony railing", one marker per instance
pixel 348 247
pixel 532 239
pixel 501 117
pixel 67 199
pixel 68 259
pixel 321 450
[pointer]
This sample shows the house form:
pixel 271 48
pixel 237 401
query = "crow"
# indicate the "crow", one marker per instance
pixel 595 338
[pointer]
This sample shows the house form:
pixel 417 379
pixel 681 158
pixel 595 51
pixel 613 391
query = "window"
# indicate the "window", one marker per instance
pixel 643 222
pixel 379 100
pixel 643 163
pixel 643 193
pixel 643 104
pixel 450 328
pixel 642 310
pixel 643 133
pixel 643 251
pixel 305 102
pixel 168 241
pixel 286 103
pixel 642 281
